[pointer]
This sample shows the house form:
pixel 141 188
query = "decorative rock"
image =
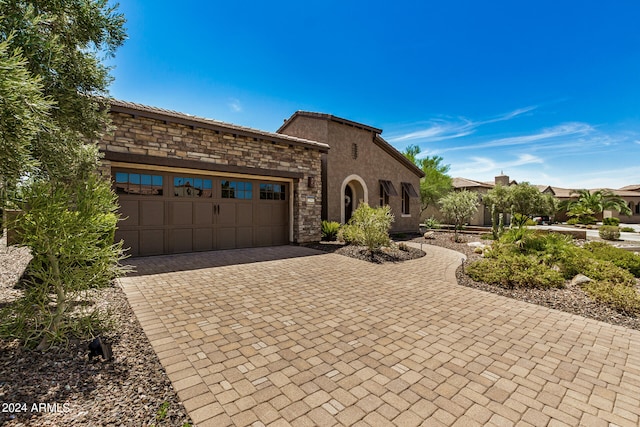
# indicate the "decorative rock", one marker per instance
pixel 580 279
pixel 430 235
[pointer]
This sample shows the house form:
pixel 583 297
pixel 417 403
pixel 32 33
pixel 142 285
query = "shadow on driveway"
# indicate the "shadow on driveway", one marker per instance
pixel 143 266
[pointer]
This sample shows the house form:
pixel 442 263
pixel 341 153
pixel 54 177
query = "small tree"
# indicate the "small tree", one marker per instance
pixel 369 226
pixel 498 199
pixel 526 200
pixel 458 207
pixel 435 183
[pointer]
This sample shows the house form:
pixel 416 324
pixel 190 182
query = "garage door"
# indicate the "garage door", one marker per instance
pixel 169 213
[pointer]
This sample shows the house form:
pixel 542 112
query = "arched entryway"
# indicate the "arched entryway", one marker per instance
pixel 354 191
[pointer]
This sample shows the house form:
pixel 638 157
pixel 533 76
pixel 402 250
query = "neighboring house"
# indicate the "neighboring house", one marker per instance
pixel 360 167
pixel 187 183
pixel 631 195
pixel 483 215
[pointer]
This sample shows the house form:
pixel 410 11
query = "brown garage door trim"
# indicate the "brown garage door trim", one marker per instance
pixel 141 159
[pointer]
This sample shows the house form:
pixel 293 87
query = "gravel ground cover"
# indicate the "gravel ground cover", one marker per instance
pixel 130 390
pixel 571 299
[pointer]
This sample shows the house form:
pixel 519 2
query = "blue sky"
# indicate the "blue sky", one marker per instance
pixel 546 91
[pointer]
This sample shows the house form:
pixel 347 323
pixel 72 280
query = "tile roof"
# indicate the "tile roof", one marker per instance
pixel 183 118
pixel 459 182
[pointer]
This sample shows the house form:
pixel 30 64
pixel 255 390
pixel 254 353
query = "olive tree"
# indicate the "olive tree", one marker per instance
pixel 458 207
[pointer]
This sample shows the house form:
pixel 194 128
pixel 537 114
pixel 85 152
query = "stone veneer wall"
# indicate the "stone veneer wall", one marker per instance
pixel 158 139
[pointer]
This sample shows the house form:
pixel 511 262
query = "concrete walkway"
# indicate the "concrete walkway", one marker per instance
pixel 290 336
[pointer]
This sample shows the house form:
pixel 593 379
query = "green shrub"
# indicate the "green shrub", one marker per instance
pixel 69 228
pixel 620 297
pixel 330 230
pixel 611 221
pixel 523 219
pixel 587 220
pixel 609 232
pixel 627 229
pixel 572 221
pixel 619 257
pixel 369 227
pixel 432 223
pixel 515 270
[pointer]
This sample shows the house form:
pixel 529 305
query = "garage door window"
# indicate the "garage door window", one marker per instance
pixel 138 184
pixel 272 191
pixel 237 190
pixel 191 187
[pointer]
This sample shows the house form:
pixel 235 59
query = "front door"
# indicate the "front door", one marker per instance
pixel 348 203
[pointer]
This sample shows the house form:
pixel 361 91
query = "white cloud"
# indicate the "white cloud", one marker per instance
pixel 481 166
pixel 564 130
pixel 235 106
pixel 440 129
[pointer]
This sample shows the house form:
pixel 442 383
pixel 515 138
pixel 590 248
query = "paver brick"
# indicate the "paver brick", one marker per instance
pixel 401 344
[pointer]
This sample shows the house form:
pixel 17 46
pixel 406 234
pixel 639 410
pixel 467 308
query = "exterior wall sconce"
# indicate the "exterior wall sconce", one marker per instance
pixel 311 182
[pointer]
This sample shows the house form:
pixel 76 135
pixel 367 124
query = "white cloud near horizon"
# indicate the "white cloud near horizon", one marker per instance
pixel 480 165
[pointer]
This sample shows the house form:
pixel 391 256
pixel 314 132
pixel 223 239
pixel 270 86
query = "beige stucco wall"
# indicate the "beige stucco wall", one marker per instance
pixel 371 165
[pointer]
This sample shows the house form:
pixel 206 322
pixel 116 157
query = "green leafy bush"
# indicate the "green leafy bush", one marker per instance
pixel 619 257
pixel 369 227
pixel 611 221
pixel 627 229
pixel 330 230
pixel 523 219
pixel 572 221
pixel 432 223
pixel 515 270
pixel 609 232
pixel 620 297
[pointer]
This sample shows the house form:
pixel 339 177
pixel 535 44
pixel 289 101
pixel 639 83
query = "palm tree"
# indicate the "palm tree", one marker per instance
pixel 595 202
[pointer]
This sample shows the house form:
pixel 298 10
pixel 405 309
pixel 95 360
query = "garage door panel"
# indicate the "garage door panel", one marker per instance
pixel 203 239
pixel 262 236
pixel 130 238
pixel 244 215
pixel 181 240
pixel 203 214
pixel 151 242
pixel 226 238
pixel 181 213
pixel 279 235
pixel 129 212
pixel 227 214
pixel 167 222
pixel 244 237
pixel 151 212
pixel 279 213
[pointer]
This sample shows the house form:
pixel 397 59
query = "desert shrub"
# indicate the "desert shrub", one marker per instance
pixel 607 271
pixel 515 270
pixel 619 257
pixel 330 230
pixel 403 247
pixel 572 221
pixel 611 221
pixel 609 232
pixel 69 228
pixel 369 226
pixel 523 219
pixel 432 223
pixel 620 297
pixel 627 229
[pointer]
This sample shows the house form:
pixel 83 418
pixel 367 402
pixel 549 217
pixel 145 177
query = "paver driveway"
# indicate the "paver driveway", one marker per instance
pixel 288 335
